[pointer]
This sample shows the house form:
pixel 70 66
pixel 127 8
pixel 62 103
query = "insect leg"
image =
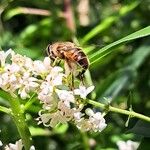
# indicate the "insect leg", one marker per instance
pixel 56 61
pixel 81 77
pixel 69 73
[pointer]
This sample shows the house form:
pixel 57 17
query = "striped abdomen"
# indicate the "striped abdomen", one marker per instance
pixel 77 55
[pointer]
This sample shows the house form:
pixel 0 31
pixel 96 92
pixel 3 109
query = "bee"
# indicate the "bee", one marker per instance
pixel 73 56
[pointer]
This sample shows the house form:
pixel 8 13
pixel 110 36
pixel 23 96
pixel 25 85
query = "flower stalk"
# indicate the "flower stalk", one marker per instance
pixel 17 114
pixel 85 141
pixel 120 111
pixel 5 110
pixel 19 119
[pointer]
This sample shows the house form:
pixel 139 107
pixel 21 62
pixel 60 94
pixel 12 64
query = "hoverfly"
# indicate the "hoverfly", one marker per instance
pixel 76 62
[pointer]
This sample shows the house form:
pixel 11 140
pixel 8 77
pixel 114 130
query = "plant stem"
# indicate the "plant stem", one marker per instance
pixel 5 109
pixel 85 141
pixel 17 114
pixel 30 102
pixel 121 111
pixel 19 119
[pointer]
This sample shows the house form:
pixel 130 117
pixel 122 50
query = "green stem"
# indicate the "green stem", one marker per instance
pixel 89 81
pixel 30 102
pixel 20 122
pixel 121 111
pixel 5 110
pixel 19 119
pixel 85 141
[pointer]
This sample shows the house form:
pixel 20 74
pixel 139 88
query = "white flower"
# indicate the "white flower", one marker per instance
pixel 3 56
pixel 89 112
pixel 29 81
pixel 1 144
pixel 12 78
pixel 46 88
pixel 25 63
pixel 17 146
pixel 66 111
pixel 83 91
pixel 62 115
pixel 32 148
pixel 46 92
pixel 78 115
pixel 28 64
pixel 58 117
pixel 4 79
pixel 46 95
pixel 23 93
pixel 47 62
pixel 42 67
pixel 66 96
pixel 97 120
pixel 8 82
pixel 27 84
pixel 52 119
pixel 18 59
pixel 55 80
pixel 55 76
pixel 43 118
pixel 13 68
pixel 84 124
pixel 128 145
pixel 49 100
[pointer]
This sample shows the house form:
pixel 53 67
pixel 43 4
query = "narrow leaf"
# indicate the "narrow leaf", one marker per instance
pixel 141 128
pixel 109 21
pixel 109 48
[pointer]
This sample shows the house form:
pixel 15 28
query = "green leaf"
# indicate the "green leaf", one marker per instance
pixel 61 129
pixel 109 21
pixel 112 86
pixel 35 131
pixel 141 128
pixel 123 78
pixel 138 57
pixel 109 48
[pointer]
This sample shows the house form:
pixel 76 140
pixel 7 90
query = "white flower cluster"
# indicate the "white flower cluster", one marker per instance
pixel 20 75
pixel 17 146
pixel 128 145
pixel 1 144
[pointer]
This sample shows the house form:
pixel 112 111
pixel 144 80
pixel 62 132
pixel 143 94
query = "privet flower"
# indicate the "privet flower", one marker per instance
pixel 83 91
pixel 60 104
pixel 128 145
pixel 17 146
pixel 1 144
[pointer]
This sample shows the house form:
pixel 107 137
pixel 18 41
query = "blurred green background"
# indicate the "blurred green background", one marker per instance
pixel 123 76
